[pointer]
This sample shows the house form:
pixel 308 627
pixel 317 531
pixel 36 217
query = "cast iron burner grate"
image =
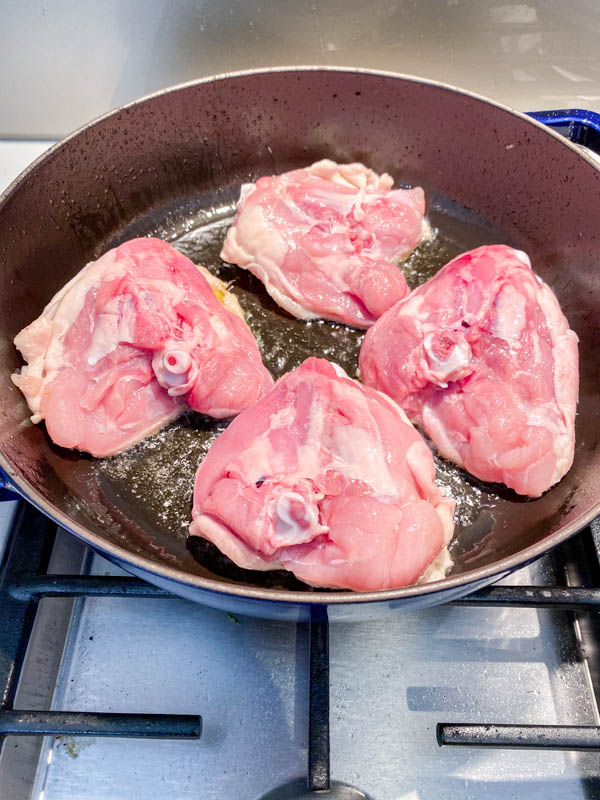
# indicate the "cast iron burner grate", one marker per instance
pixel 24 581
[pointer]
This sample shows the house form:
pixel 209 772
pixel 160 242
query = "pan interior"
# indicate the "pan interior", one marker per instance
pixel 171 166
pixel 152 482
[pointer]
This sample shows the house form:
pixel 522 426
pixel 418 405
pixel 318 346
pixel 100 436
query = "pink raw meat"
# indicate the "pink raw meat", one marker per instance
pixel 128 343
pixel 482 358
pixel 328 479
pixel 324 240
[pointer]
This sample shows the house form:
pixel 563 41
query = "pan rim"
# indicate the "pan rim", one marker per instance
pixel 469 580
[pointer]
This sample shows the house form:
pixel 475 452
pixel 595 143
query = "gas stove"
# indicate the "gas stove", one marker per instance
pixel 113 689
pixel 226 707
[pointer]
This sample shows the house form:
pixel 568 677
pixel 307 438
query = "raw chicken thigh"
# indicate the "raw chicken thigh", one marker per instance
pixel 328 479
pixel 128 343
pixel 324 240
pixel 482 358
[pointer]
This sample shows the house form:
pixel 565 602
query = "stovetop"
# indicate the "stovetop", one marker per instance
pixel 391 684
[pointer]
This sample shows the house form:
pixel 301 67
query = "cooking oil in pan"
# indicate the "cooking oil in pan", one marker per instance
pixel 153 481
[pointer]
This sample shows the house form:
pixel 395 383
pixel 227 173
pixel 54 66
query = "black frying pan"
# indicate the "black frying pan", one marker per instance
pixel 171 165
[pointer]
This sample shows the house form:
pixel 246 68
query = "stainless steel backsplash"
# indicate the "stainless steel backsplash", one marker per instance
pixel 63 62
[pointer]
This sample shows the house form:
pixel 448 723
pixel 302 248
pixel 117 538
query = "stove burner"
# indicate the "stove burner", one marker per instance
pixel 298 790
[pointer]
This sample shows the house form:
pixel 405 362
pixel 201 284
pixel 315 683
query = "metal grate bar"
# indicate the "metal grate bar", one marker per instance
pixel 86 585
pixel 554 737
pixel 318 720
pixel 28 552
pixel 36 586
pixel 75 723
pixel 557 597
pixel 29 549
